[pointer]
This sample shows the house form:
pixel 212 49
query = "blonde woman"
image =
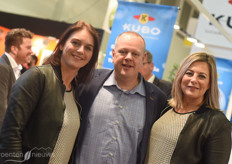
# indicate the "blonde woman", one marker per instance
pixel 192 129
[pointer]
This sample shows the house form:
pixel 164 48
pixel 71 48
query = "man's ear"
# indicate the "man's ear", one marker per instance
pixel 144 56
pixel 61 47
pixel 151 65
pixel 113 53
pixel 14 50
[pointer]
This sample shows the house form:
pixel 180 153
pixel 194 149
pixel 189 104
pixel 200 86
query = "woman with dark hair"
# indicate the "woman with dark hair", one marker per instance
pixel 192 129
pixel 42 119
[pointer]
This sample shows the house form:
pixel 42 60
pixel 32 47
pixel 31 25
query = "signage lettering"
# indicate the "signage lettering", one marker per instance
pixel 142 29
pixel 219 19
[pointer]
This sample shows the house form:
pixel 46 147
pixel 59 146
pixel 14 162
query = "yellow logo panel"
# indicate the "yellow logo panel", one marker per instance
pixel 143 18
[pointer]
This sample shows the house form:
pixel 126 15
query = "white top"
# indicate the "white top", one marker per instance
pixel 68 132
pixel 16 67
pixel 164 136
pixel 151 79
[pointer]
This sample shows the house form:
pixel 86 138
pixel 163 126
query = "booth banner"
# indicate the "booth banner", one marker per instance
pixel 206 32
pixel 153 22
pixel 224 69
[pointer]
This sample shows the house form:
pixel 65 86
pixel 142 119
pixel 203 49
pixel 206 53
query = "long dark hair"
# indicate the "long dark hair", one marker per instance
pixel 84 72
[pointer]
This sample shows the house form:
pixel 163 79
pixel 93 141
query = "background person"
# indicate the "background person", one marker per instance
pixel 42 116
pixel 32 63
pixel 17 51
pixel 118 108
pixel 193 129
pixel 146 71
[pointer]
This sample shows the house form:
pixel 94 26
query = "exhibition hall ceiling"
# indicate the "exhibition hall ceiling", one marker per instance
pixel 69 11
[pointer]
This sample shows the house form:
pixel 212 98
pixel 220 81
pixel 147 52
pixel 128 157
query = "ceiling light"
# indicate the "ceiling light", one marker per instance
pixel 200 45
pixel 192 40
pixel 176 27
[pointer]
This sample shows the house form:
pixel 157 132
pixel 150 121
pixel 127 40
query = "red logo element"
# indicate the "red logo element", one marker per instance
pixel 230 1
pixel 149 18
pixel 144 18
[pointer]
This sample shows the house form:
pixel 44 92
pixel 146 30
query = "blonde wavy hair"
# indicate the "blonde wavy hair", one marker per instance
pixel 211 97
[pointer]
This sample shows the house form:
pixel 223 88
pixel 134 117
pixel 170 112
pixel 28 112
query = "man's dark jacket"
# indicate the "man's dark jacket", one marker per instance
pixel 7 79
pixel 164 85
pixel 155 103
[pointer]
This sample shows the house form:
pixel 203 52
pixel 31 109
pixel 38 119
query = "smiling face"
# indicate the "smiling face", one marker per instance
pixel 77 50
pixel 23 52
pixel 195 82
pixel 128 56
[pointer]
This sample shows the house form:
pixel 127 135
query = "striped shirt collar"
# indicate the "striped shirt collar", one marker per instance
pixel 140 89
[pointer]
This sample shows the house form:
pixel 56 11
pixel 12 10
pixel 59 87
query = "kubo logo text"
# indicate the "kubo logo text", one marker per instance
pixel 143 19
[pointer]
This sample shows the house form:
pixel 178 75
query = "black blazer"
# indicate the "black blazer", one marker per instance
pixel 164 85
pixel 155 103
pixel 7 79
